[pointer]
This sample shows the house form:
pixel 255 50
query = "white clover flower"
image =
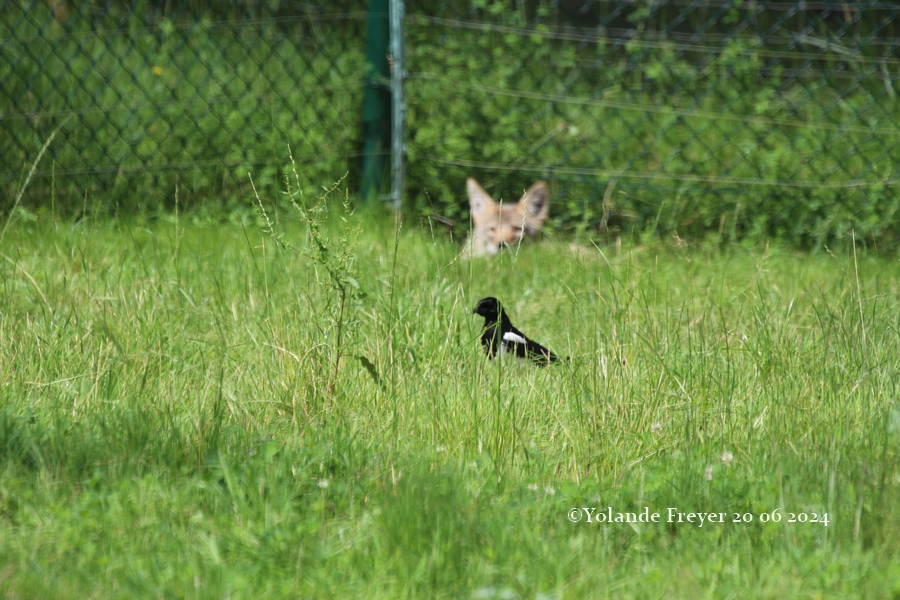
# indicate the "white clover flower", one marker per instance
pixel 656 428
pixel 323 483
pixel 727 458
pixel 707 475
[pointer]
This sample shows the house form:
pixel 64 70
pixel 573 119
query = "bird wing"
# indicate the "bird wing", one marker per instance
pixel 514 341
pixel 517 342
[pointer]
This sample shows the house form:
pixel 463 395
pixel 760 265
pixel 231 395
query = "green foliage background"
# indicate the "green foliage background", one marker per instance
pixel 738 137
pixel 738 134
pixel 195 97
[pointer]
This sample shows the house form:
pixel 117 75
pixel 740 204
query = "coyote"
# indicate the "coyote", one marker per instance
pixel 496 225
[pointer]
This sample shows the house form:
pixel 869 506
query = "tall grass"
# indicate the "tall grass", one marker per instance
pixel 167 426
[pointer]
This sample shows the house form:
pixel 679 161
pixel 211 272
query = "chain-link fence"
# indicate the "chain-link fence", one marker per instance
pixel 711 115
pixel 155 94
pixel 699 116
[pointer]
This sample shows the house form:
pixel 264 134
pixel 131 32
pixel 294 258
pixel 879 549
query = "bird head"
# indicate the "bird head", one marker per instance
pixel 489 308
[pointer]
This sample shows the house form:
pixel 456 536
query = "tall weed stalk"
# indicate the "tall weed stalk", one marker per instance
pixel 333 253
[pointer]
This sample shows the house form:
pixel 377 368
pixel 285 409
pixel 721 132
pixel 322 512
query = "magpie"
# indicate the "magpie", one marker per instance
pixel 499 334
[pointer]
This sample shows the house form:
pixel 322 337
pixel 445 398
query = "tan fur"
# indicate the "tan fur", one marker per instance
pixel 495 225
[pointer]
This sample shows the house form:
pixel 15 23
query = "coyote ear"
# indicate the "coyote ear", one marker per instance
pixel 536 206
pixel 479 200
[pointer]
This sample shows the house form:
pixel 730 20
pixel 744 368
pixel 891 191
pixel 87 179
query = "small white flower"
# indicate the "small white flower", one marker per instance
pixel 533 487
pixel 549 490
pixel 323 483
pixel 707 475
pixel 727 458
pixel 484 593
pixel 656 428
pixel 440 448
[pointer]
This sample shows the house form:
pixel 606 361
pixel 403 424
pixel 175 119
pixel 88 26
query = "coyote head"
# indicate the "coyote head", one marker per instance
pixel 496 225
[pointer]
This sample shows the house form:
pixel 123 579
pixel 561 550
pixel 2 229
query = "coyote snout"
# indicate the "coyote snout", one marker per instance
pixel 496 225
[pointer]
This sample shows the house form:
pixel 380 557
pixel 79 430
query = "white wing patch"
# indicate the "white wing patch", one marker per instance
pixel 512 338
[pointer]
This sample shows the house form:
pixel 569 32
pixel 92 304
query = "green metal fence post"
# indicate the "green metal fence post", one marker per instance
pixel 376 101
pixel 398 106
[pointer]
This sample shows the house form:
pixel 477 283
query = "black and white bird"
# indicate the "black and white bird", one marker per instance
pixel 499 335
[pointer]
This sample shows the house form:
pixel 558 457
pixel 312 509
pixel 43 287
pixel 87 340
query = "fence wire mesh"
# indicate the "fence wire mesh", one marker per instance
pixel 715 108
pixel 706 114
pixel 158 93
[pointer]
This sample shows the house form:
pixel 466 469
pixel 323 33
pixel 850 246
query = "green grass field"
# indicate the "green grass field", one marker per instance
pixel 187 409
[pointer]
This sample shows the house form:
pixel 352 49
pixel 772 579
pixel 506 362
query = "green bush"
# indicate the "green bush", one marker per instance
pixel 737 140
pixel 195 100
pixel 736 135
